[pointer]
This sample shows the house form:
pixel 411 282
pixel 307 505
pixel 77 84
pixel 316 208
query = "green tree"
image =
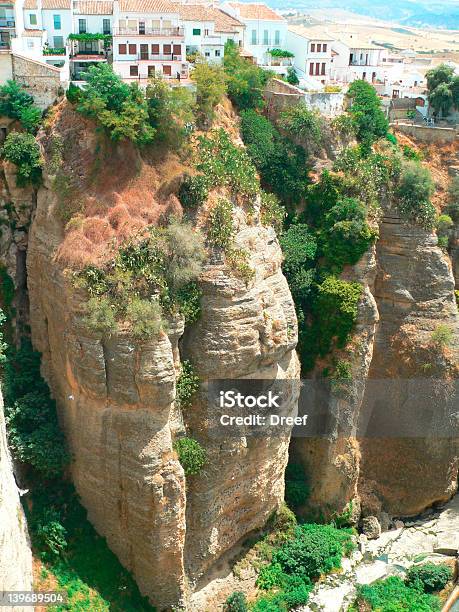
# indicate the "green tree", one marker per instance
pixel 442 74
pixel 414 191
pixel 17 103
pixel 119 108
pixel 259 136
pixel 210 89
pixel 366 110
pixel 22 150
pixel 246 81
pixel 292 77
pixel 441 99
pixel 170 112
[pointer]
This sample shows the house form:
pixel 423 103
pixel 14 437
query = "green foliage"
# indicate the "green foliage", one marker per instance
pixel 280 53
pixel 300 122
pixel 414 191
pixel 299 247
pixel 194 191
pixel 315 550
pixel 210 89
pixel 429 577
pixel 17 103
pixel 187 385
pixel 443 224
pixel 220 231
pixel 296 486
pixel 3 344
pixel 443 89
pixel 22 150
pixel 367 113
pixel 245 81
pixel 225 164
pixel 191 455
pixel 335 309
pixel 170 112
pixel 89 37
pixel 442 336
pixel 345 125
pixel 50 536
pixel 236 602
pixel 281 163
pixel 392 139
pixel 272 212
pixel 33 430
pixel 73 94
pixel 76 558
pixel 292 76
pixel 393 595
pixel 148 276
pixel 118 108
pixel 144 317
pixel 411 153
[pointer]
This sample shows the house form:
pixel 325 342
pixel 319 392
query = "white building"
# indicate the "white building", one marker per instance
pixel 208 29
pixel 355 59
pixel 264 30
pixel 313 55
pixel 148 40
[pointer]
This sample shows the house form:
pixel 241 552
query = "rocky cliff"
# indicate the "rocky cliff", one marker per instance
pixel 116 398
pixel 15 551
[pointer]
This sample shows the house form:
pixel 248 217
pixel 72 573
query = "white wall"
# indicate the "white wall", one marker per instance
pixel 94 23
pixel 48 24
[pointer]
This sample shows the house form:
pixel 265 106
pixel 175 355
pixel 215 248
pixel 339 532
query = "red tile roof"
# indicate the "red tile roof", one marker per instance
pixel 255 11
pixel 94 7
pixel 198 12
pixel 147 6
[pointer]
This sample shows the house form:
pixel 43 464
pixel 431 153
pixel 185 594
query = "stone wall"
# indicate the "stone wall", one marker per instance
pixel 280 94
pixel 15 552
pixel 427 134
pixel 43 82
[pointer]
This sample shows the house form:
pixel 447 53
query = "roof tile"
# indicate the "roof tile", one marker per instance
pixel 256 11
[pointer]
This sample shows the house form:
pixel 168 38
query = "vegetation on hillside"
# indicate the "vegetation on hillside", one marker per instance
pixel 443 87
pixel 17 103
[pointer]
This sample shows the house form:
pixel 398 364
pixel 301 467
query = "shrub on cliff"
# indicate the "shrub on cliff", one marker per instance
pixel 301 122
pixel 296 486
pixel 429 577
pixel 119 108
pixel 187 385
pixel 210 89
pixel 393 594
pixel 194 191
pixel 22 150
pixel 366 111
pixel 34 434
pixel 191 455
pixel 245 81
pixel 17 103
pixel 415 189
pixel 236 602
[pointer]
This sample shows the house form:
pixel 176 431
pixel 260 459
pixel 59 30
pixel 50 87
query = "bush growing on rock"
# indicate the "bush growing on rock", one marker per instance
pixel 394 595
pixel 367 113
pixel 22 150
pixel 236 602
pixel 415 189
pixel 194 191
pixel 191 455
pixel 17 103
pixel 187 384
pixel 430 577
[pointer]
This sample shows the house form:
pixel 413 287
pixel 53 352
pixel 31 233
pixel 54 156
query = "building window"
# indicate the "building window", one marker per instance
pixel 311 69
pixel 324 48
pixel 217 53
pixel 122 49
pixel 207 53
pixel 133 70
pixel 323 69
pixel 57 22
pixel 254 37
pixel 196 31
pixel 151 71
pixel 167 49
pixel 313 47
pixel 317 68
pixel 265 37
pixel 107 28
pixel 155 49
pixel 206 32
pixel 177 49
pixel 82 26
pixel 141 27
pixel 167 70
pixel 32 19
pixel 132 49
pixel 319 47
pixel 277 37
pixel 58 42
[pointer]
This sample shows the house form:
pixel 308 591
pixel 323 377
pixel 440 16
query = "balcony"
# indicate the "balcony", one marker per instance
pixel 149 32
pixel 140 57
pixel 7 23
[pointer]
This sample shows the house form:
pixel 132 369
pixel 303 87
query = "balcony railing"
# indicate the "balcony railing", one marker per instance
pixel 148 31
pixel 7 23
pixel 151 57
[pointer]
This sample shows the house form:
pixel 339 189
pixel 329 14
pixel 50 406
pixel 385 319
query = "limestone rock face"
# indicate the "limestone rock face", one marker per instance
pixel 15 551
pixel 116 403
pixel 414 291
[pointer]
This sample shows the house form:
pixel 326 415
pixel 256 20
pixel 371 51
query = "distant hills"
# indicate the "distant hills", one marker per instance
pixel 419 13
